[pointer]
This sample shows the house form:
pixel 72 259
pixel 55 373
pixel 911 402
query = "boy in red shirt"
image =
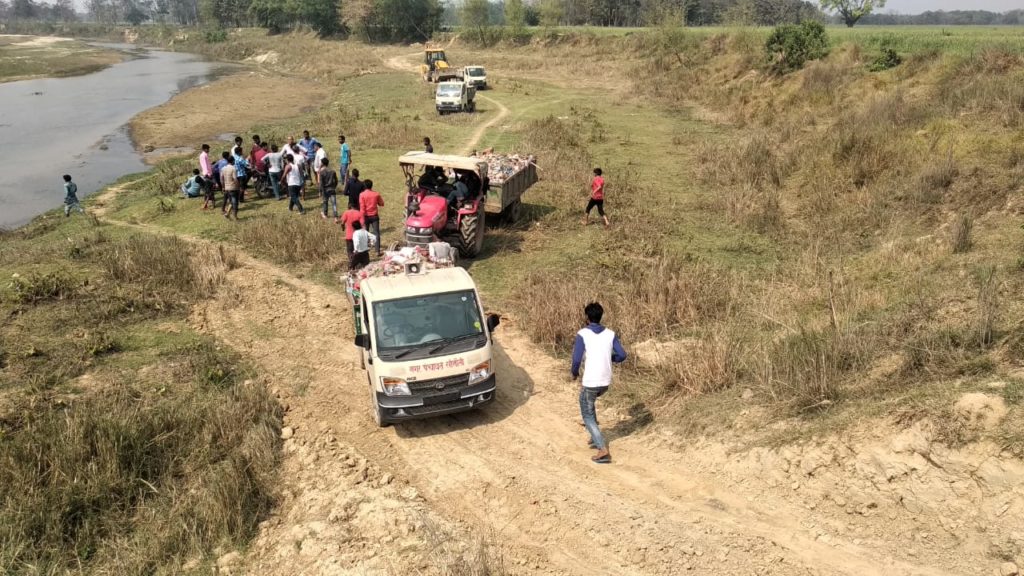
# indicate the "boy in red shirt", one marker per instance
pixel 347 218
pixel 596 198
pixel 369 200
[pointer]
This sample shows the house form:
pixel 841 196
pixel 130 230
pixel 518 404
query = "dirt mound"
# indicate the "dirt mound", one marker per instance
pixel 980 410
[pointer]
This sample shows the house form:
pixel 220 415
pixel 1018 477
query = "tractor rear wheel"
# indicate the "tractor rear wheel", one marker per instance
pixel 471 236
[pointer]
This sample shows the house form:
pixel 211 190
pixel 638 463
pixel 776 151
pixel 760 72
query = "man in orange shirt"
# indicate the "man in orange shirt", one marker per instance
pixel 347 218
pixel 596 198
pixel 369 201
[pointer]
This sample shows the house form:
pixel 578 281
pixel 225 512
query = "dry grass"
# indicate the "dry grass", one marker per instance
pixel 126 448
pixel 293 239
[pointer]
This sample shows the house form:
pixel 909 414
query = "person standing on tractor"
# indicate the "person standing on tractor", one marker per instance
pixel 344 158
pixel 369 201
pixel 598 347
pixel 596 198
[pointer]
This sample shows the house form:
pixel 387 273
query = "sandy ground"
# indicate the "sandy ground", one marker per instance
pixel 231 104
pixel 26 57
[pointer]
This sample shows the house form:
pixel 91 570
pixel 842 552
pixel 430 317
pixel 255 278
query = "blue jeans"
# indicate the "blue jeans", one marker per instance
pixel 588 397
pixel 231 203
pixel 295 198
pixel 330 199
pixel 275 184
pixel 343 173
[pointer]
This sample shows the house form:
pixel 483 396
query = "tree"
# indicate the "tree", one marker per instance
pixel 476 15
pixel 24 9
pixel 852 10
pixel 398 20
pixel 551 13
pixel 515 17
pixel 64 10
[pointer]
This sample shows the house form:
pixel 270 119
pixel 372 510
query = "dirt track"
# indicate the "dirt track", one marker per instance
pixel 357 498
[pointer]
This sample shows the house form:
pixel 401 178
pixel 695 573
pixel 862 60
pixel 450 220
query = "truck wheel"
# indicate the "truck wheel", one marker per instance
pixel 469 231
pixel 377 411
pixel 513 211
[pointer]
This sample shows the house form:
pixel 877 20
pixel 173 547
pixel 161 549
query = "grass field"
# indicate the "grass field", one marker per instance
pixel 24 57
pixel 844 244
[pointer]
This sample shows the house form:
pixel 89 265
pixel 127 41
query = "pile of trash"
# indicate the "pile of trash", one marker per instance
pixel 407 260
pixel 501 167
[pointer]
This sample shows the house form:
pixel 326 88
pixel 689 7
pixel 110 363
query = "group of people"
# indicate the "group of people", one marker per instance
pixel 288 170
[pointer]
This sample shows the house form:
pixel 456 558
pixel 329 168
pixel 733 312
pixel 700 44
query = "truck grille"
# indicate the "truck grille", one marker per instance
pixel 443 407
pixel 439 386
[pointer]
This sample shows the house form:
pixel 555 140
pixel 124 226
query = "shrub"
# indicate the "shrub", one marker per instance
pixel 791 45
pixel 42 286
pixel 293 241
pixel 886 60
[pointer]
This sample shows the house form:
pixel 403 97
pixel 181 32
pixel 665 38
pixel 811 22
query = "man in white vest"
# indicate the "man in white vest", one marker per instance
pixel 596 348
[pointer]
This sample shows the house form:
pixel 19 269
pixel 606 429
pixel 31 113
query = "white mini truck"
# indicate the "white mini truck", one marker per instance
pixel 424 342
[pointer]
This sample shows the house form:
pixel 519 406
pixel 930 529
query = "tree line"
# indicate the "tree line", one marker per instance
pixel 418 20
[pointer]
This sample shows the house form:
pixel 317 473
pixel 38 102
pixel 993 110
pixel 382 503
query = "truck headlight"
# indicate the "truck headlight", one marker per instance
pixel 394 386
pixel 480 372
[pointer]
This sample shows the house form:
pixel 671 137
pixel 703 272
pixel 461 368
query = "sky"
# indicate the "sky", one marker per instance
pixel 918 6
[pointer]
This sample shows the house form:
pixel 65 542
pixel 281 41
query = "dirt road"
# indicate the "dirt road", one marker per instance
pixel 364 500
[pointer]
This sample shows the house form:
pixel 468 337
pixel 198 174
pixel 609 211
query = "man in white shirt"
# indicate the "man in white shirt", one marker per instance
pixel 599 347
pixel 275 165
pixel 318 158
pixel 361 243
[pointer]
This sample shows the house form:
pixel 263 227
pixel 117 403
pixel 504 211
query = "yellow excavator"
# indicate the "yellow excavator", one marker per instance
pixel 435 67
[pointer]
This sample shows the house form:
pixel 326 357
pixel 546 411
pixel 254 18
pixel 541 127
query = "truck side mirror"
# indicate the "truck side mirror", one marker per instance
pixel 492 322
pixel 363 341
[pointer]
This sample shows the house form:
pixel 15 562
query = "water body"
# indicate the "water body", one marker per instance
pixel 77 125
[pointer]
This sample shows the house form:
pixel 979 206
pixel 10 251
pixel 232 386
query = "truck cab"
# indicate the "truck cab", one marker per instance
pixel 475 76
pixel 425 343
pixel 455 96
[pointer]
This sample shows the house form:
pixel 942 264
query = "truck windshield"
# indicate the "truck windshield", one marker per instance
pixel 432 325
pixel 448 90
pixel 475 71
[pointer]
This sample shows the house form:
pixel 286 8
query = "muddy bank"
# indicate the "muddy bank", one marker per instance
pixel 76 125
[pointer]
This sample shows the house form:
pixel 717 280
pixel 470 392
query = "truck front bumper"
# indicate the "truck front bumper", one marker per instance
pixel 449 107
pixel 402 408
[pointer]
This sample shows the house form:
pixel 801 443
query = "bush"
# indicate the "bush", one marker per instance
pixel 215 35
pixel 886 60
pixel 40 287
pixel 791 45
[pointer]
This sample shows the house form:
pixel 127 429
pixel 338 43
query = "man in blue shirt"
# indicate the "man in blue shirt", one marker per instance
pixel 345 159
pixel 307 143
pixel 599 347
pixel 242 169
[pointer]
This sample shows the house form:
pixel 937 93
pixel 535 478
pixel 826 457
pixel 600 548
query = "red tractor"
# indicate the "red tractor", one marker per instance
pixel 445 200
